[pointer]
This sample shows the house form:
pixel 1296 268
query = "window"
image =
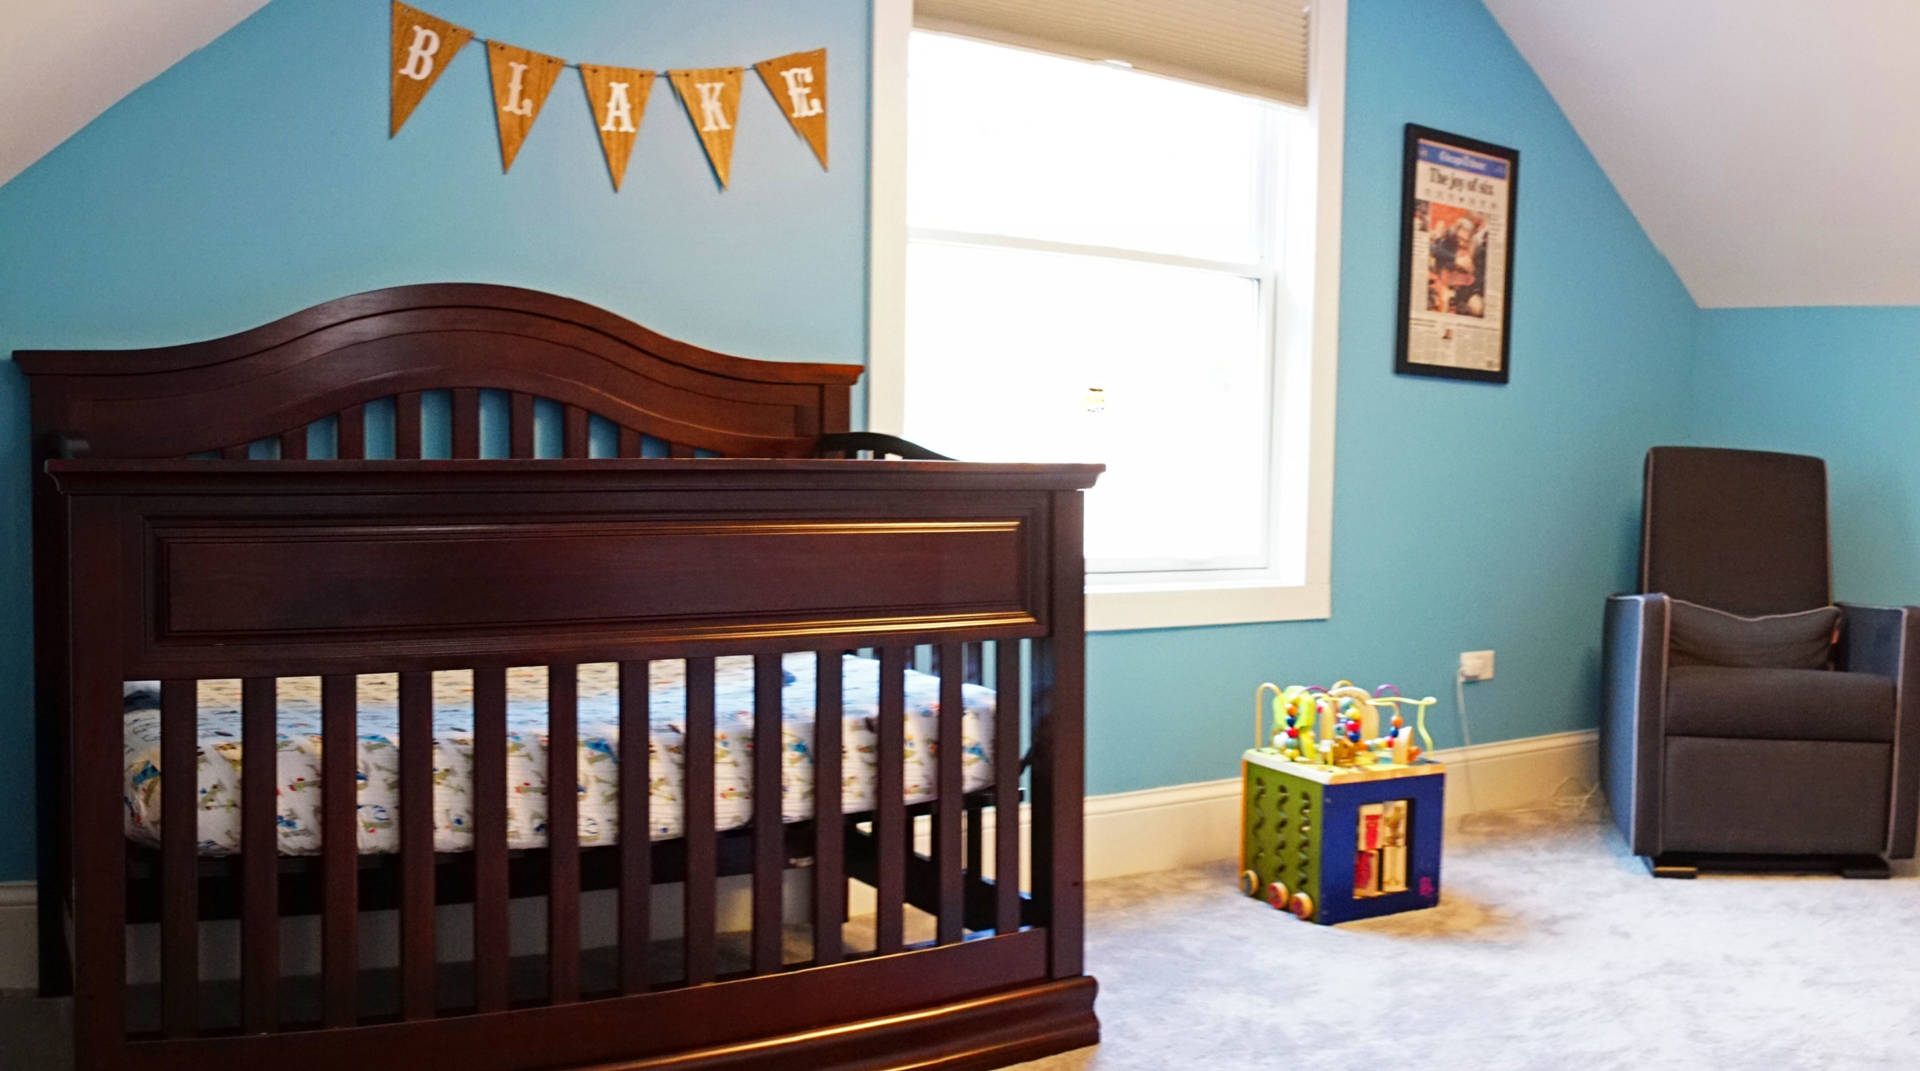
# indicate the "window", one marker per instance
pixel 1106 265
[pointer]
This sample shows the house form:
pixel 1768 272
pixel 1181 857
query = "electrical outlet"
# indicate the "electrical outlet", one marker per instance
pixel 1476 665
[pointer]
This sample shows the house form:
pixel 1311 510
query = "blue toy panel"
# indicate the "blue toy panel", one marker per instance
pixel 1426 820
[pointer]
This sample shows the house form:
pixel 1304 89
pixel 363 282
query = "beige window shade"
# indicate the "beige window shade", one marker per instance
pixel 1257 47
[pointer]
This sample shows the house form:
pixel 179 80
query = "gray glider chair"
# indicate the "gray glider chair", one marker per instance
pixel 1746 722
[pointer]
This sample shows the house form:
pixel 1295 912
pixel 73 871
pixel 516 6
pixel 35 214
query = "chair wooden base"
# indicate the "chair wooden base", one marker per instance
pixel 1689 864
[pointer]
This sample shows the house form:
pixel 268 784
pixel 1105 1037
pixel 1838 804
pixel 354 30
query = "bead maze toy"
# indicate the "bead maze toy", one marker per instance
pixel 1344 824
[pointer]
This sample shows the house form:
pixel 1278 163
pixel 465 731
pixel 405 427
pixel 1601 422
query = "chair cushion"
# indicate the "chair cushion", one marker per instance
pixel 1778 704
pixel 1704 636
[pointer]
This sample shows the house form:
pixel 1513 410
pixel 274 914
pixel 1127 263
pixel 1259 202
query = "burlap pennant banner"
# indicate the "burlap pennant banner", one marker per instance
pixel 799 86
pixel 618 97
pixel 422 46
pixel 521 82
pixel 712 97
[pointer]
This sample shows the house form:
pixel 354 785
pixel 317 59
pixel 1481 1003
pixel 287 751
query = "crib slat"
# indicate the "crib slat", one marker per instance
pixel 406 425
pixel 679 450
pixel 293 444
pixel 636 824
pixel 339 850
pixel 769 833
pixel 490 938
pixel 574 441
pixel 890 810
pixel 698 749
pixel 1006 786
pixel 259 856
pixel 466 422
pixel 976 663
pixel 179 863
pixel 352 434
pixel 234 453
pixel 520 425
pixel 829 835
pixel 416 846
pixel 946 821
pixel 563 835
pixel 629 443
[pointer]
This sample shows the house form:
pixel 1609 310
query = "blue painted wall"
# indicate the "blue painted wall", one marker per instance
pixel 255 178
pixel 1466 516
pixel 1841 383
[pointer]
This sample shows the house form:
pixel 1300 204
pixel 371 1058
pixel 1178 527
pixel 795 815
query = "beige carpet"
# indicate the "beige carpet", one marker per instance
pixel 1551 948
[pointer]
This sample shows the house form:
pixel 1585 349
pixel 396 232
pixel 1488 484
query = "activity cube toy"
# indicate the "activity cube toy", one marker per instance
pixel 1355 835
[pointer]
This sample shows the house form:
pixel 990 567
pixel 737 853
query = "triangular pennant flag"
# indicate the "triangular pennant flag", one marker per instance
pixel 521 82
pixel 618 97
pixel 799 86
pixel 422 48
pixel 712 98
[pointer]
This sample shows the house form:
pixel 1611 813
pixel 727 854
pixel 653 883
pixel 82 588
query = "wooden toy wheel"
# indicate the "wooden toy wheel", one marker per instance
pixel 1277 895
pixel 1302 907
pixel 1250 883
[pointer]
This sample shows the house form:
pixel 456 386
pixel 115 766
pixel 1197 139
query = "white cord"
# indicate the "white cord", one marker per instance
pixel 1466 735
pixel 1558 801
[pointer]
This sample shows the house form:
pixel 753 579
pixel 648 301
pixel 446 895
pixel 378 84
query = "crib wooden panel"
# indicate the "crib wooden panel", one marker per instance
pixel 636 825
pixel 259 855
pixel 520 425
pixel 466 422
pixel 351 434
pixel 698 823
pixel 829 846
pixel 1059 746
pixel 890 829
pixel 293 444
pixel 1008 689
pixel 179 850
pixel 490 928
pixel 406 425
pixel 951 911
pixel 339 851
pixel 769 834
pixel 563 835
pixel 417 997
pixel 574 432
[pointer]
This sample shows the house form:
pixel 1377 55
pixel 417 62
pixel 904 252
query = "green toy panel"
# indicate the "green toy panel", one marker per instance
pixel 1282 830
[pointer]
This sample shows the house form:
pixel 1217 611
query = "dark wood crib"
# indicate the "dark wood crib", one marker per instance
pixel 190 525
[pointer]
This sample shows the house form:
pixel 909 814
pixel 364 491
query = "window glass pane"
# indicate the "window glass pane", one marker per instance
pixel 1010 142
pixel 1157 371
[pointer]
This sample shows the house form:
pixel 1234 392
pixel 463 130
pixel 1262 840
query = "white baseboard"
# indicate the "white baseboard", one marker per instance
pixel 1126 832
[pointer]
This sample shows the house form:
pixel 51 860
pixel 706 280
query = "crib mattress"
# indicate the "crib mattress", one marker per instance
pixel 298 745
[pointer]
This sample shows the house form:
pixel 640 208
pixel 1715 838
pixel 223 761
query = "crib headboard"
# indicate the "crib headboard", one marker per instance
pixel 332 360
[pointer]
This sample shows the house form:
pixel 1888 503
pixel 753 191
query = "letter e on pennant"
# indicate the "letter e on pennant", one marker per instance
pixel 422 48
pixel 618 97
pixel 712 98
pixel 521 82
pixel 799 86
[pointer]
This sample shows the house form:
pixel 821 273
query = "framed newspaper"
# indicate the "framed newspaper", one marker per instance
pixel 1456 256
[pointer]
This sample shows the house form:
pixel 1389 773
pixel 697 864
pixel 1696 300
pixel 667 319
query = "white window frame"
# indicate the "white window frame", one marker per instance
pixel 1304 395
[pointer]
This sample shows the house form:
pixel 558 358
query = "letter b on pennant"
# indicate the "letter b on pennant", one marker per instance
pixel 422 48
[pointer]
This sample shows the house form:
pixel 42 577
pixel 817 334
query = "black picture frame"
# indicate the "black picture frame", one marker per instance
pixel 1412 209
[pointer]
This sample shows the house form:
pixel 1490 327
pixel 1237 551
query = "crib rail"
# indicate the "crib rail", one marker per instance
pixel 188 571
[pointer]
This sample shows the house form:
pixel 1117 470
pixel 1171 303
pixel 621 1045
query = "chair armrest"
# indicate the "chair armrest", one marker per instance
pixel 1885 640
pixel 1633 678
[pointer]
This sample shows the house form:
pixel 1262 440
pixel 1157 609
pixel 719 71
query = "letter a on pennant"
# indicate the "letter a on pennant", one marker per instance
pixel 618 96
pixel 799 86
pixel 422 48
pixel 712 98
pixel 521 82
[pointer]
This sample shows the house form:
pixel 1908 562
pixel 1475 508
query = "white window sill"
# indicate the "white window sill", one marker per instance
pixel 1114 609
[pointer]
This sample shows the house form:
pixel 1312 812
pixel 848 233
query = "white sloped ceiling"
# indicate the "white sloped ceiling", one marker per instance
pixel 1767 147
pixel 63 62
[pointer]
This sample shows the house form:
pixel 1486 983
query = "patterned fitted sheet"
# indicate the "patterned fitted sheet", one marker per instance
pixel 378 758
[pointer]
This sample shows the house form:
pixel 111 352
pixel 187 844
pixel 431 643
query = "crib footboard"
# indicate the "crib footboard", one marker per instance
pixel 189 571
